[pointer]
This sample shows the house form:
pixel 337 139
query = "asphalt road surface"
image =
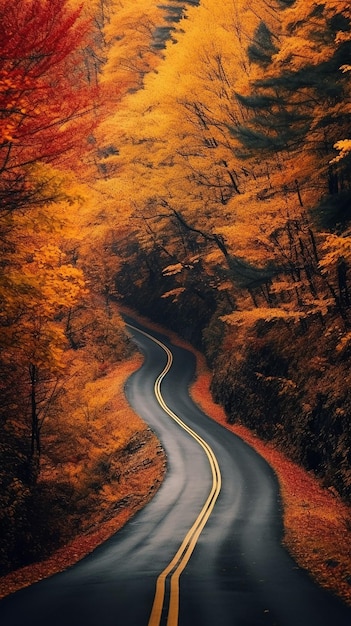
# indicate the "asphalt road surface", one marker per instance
pixel 206 551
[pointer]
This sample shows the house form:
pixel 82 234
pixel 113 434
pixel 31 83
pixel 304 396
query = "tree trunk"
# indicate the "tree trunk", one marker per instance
pixel 35 434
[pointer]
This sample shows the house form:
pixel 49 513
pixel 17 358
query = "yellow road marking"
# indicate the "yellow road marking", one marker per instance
pixel 184 552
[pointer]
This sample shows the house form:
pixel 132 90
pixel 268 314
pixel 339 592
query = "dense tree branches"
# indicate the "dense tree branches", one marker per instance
pixel 44 102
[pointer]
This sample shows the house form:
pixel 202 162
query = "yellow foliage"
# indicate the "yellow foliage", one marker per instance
pixel 173 293
pixel 170 270
pixel 250 317
pixel 344 148
pixel 129 34
pixel 336 248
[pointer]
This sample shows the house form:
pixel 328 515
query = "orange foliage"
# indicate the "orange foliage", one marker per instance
pixel 211 210
pixel 140 473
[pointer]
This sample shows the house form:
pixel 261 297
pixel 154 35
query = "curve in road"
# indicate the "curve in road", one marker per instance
pixel 177 565
pixel 238 574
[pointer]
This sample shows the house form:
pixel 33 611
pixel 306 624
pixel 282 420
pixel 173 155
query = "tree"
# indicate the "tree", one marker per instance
pixel 38 287
pixel 44 108
pixel 297 102
pixel 42 95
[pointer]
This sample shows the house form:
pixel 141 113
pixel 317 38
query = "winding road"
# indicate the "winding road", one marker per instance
pixel 206 551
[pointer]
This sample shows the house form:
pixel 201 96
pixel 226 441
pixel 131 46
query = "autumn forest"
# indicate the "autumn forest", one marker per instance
pixel 190 161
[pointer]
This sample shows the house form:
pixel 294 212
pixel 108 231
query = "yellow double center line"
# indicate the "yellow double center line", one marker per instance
pixel 183 554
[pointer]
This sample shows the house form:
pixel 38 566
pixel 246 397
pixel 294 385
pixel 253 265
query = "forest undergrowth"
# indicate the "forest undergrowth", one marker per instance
pixel 316 521
pixel 100 465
